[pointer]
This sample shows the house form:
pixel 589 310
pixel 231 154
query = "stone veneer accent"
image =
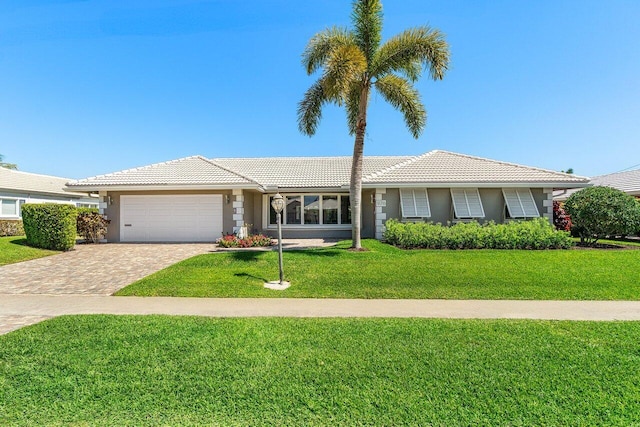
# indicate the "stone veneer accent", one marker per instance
pixel 238 211
pixel 380 214
pixel 547 204
pixel 102 199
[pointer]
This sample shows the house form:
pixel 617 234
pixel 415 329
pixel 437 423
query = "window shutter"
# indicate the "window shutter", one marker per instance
pixel 415 203
pixel 422 203
pixel 467 203
pixel 520 203
pixel 407 202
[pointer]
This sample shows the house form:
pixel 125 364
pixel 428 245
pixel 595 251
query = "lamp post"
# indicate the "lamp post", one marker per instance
pixel 278 206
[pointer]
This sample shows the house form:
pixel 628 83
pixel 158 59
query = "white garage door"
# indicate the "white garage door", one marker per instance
pixel 171 218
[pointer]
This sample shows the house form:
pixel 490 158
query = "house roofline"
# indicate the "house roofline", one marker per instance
pixel 173 187
pixel 448 184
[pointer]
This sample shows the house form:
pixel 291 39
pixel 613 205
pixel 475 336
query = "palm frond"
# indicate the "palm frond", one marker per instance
pixel 344 66
pixel 411 49
pixel 367 22
pixel 322 44
pixel 400 93
pixel 310 108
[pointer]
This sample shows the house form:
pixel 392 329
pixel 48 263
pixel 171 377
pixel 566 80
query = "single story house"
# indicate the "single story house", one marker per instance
pixel 629 182
pixel 18 188
pixel 199 199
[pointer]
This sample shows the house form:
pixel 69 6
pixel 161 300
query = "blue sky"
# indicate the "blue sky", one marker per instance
pixel 91 87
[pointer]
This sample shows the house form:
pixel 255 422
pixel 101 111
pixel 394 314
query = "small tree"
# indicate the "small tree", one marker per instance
pixel 598 212
pixel 561 219
pixel 92 226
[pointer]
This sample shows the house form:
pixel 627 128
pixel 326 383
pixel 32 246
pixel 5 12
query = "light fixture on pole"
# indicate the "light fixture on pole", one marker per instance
pixel 277 203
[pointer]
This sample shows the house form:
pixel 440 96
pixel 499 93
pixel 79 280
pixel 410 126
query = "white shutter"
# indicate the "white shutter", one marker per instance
pixel 467 203
pixel 407 203
pixel 520 203
pixel 415 203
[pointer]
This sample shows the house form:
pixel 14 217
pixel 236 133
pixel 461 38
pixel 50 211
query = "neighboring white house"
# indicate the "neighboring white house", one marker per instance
pixel 18 188
pixel 628 181
pixel 198 199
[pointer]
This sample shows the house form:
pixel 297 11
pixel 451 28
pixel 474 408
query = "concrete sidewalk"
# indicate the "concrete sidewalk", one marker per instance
pixel 39 307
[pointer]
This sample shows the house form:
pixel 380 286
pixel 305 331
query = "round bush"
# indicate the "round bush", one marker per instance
pixel 598 212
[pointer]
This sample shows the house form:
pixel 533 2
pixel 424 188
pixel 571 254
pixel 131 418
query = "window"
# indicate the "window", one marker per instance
pixel 329 209
pixel 520 203
pixel 345 210
pixel 10 207
pixel 415 203
pixel 467 203
pixel 293 210
pixel 313 209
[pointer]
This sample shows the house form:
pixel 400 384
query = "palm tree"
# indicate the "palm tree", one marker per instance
pixel 352 62
pixel 7 165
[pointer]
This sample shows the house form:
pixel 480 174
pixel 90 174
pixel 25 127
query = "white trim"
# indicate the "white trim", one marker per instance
pixel 162 187
pixel 494 184
pixel 467 203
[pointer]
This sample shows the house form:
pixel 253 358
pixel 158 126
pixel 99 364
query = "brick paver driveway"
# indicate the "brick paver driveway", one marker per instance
pixel 94 269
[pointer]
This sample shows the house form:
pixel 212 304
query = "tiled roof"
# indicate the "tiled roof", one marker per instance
pixel 305 172
pixel 443 166
pixel 629 182
pixel 194 170
pixel 26 182
pixel 329 172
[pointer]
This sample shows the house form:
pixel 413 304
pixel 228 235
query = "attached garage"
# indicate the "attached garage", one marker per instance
pixel 170 218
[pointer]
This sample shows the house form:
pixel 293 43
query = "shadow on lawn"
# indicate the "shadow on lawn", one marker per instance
pixel 21 242
pixel 247 255
pixel 247 275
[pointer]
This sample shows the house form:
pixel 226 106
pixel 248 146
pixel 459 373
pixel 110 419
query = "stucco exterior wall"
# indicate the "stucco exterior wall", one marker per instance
pixel 442 206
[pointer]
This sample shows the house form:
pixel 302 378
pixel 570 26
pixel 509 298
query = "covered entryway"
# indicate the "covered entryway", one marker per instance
pixel 171 218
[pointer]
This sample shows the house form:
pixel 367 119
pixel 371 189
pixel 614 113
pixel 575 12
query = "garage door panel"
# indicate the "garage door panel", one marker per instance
pixel 171 218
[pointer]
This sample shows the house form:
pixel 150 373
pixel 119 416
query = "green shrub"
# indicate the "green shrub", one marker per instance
pixel 534 234
pixel 11 227
pixel 86 210
pixel 598 212
pixel 50 226
pixel 91 225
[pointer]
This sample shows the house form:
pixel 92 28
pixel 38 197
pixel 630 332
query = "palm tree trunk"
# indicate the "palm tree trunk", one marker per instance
pixel 356 169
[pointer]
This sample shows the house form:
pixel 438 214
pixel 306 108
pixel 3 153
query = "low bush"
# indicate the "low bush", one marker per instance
pixel 91 225
pixel 11 227
pixel 233 241
pixel 50 226
pixel 599 212
pixel 535 234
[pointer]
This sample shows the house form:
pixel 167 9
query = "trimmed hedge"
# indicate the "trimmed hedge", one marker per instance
pixel 534 234
pixel 50 226
pixel 11 227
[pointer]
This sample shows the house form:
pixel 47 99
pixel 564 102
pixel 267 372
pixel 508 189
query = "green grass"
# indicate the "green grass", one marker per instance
pixel 154 370
pixel 15 249
pixel 387 272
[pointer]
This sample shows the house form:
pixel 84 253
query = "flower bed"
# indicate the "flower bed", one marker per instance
pixel 233 241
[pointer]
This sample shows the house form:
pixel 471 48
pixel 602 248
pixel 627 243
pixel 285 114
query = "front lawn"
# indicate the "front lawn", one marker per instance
pixel 15 249
pixel 387 272
pixel 155 370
